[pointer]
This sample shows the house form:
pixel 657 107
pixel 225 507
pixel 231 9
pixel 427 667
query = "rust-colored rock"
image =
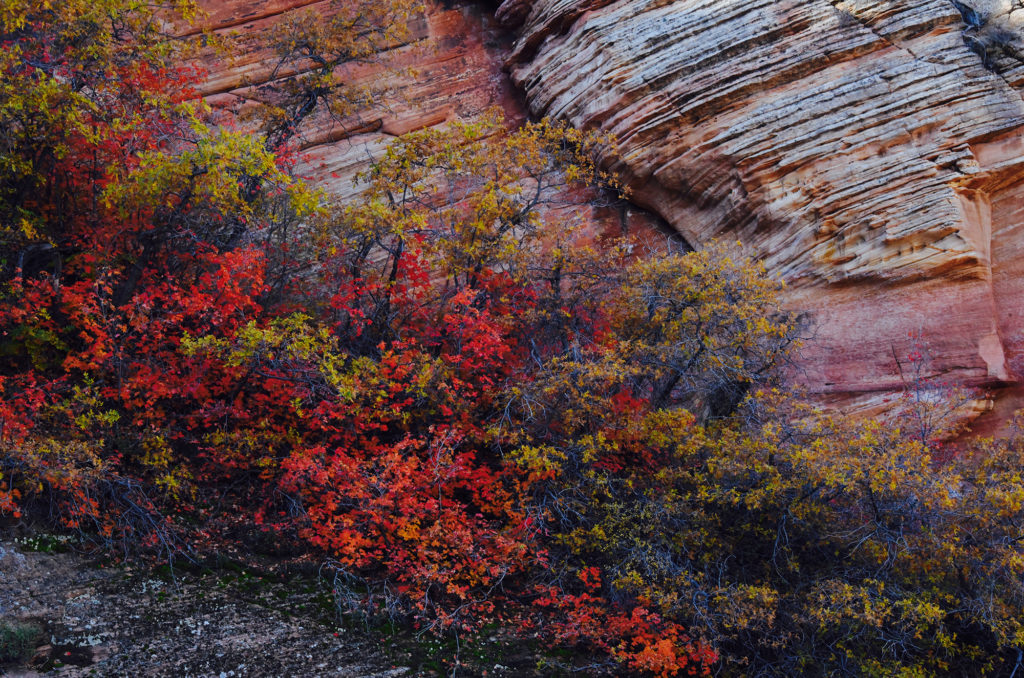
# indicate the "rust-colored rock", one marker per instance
pixel 456 52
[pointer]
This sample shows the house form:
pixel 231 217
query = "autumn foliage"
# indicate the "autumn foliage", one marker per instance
pixel 470 412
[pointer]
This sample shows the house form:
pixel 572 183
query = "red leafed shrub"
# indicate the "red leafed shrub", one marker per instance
pixel 637 639
pixel 193 341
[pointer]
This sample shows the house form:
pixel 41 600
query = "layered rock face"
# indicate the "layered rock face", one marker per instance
pixel 456 53
pixel 451 68
pixel 871 151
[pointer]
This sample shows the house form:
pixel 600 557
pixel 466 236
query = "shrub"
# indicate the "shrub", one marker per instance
pixel 17 641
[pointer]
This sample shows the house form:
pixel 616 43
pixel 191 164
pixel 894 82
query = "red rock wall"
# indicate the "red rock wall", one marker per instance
pixel 457 54
pixel 863 148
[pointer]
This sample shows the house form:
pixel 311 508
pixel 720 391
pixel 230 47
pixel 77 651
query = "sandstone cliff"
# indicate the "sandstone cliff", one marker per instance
pixel 872 151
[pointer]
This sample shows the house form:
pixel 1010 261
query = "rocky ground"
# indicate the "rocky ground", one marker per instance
pixel 272 618
pixel 117 621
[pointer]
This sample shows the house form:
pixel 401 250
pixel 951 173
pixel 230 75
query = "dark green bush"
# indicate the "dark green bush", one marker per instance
pixel 17 640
